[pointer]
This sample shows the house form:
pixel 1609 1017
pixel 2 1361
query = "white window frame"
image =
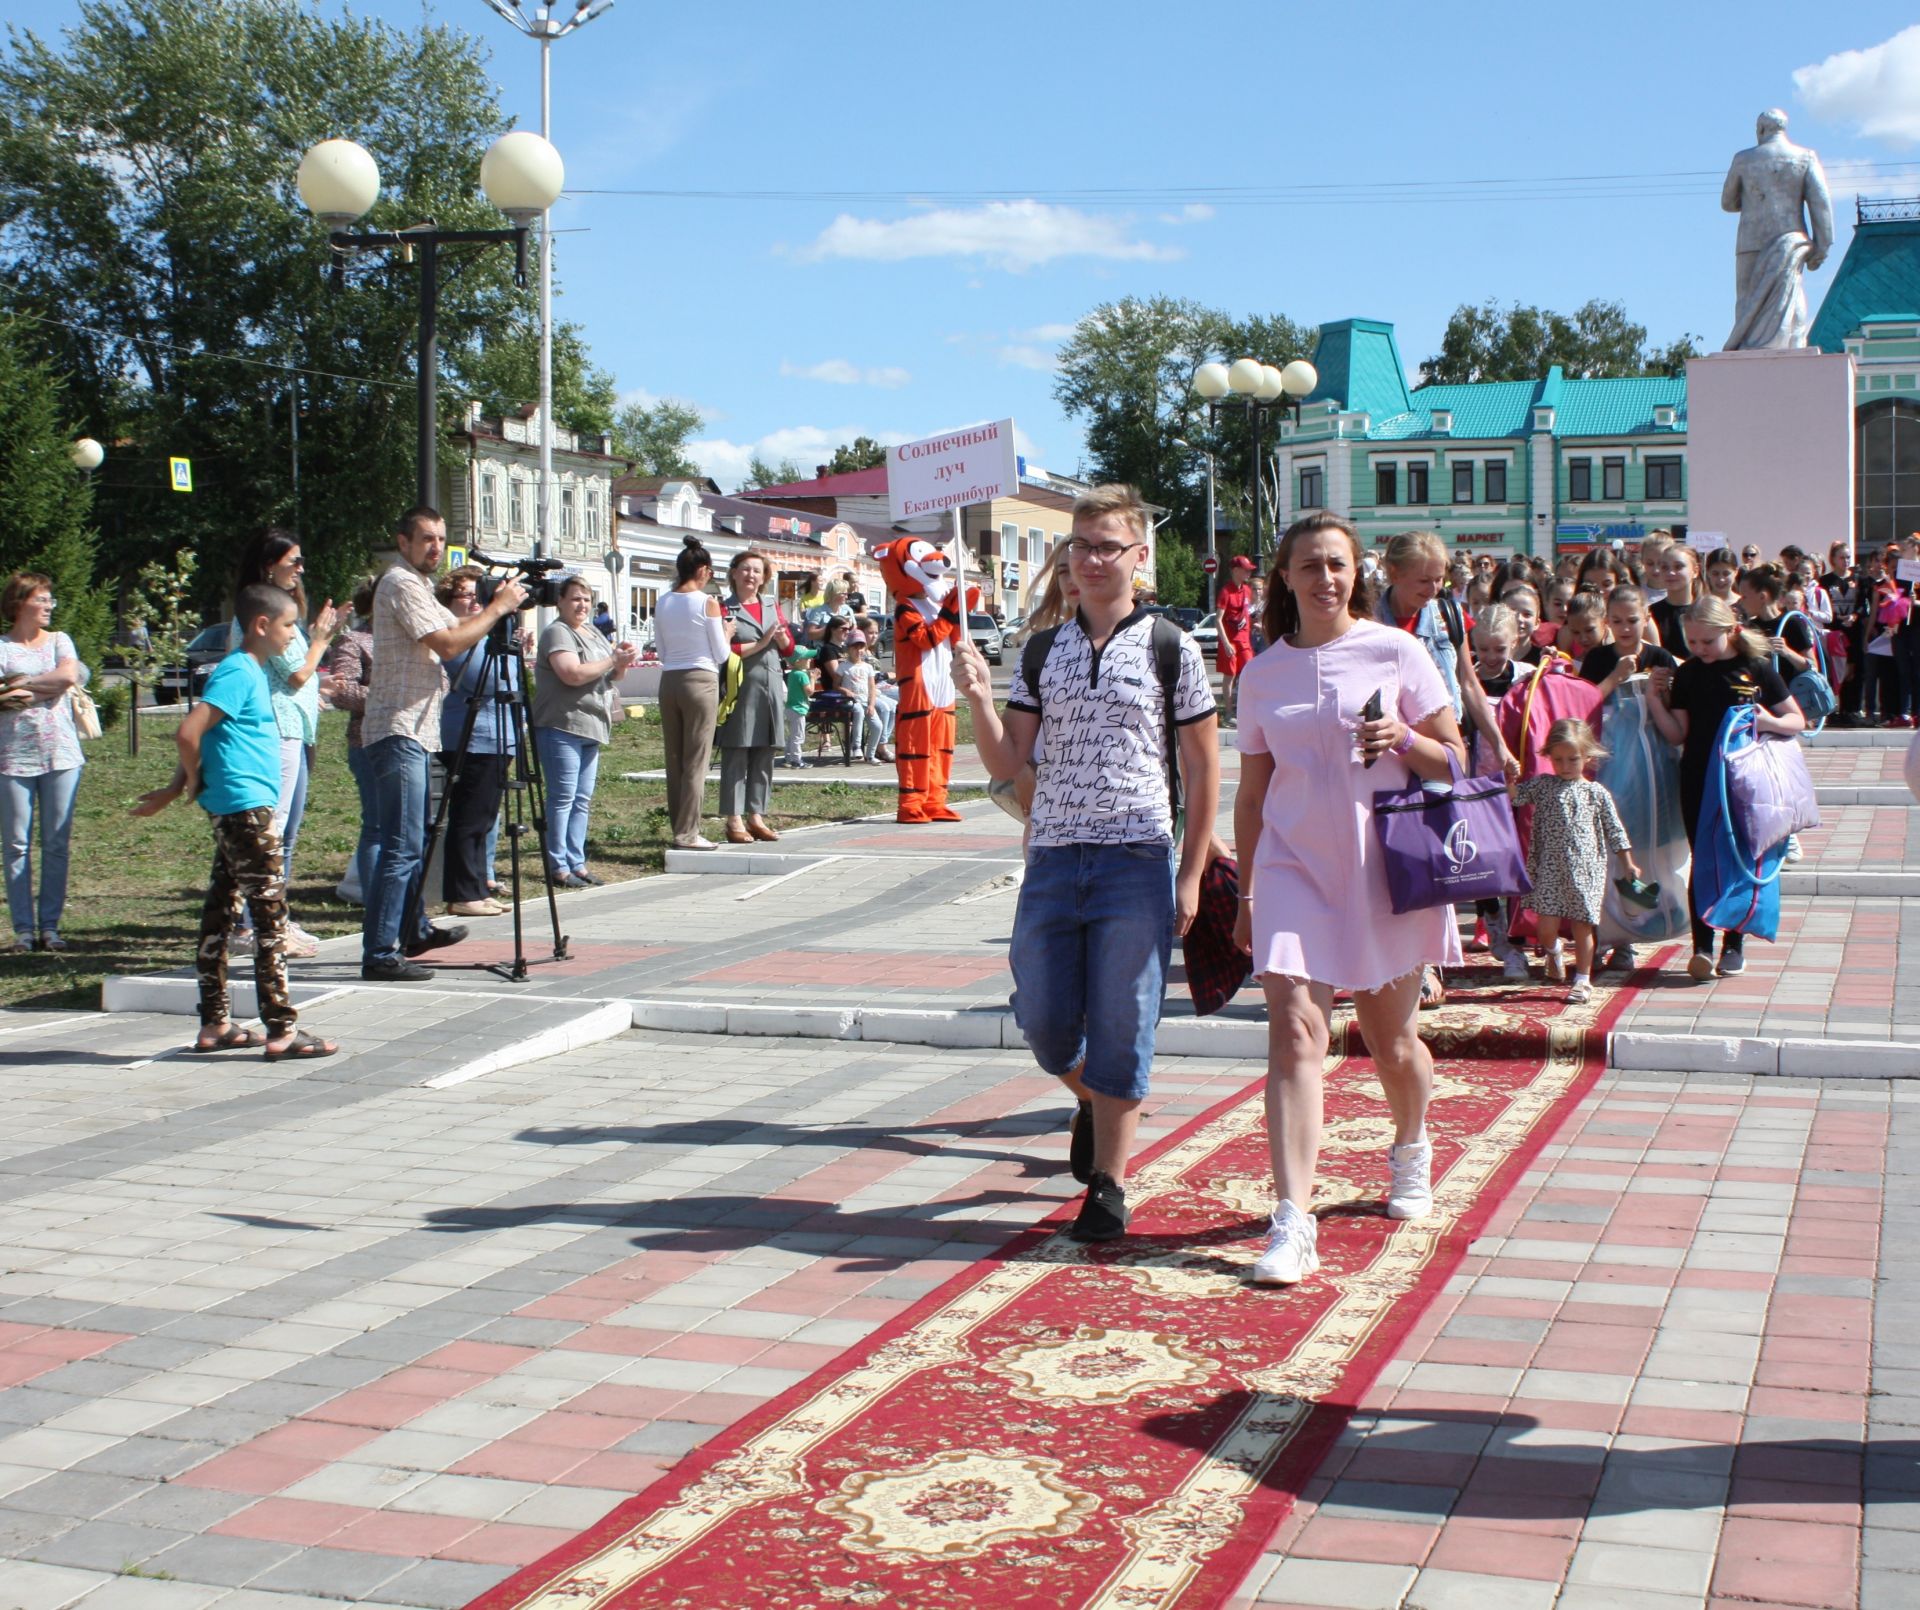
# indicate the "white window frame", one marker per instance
pixel 489 500
pixel 566 514
pixel 517 505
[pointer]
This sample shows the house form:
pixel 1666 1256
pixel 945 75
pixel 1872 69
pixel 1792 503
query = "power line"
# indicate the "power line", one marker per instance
pixel 222 357
pixel 1536 187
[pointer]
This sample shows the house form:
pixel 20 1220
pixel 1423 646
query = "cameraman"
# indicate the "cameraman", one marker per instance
pixel 413 633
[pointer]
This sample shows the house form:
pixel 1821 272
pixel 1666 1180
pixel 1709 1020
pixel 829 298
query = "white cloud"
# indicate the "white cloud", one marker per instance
pixel 807 445
pixel 1194 212
pixel 1049 332
pixel 839 372
pixel 1877 90
pixel 1022 356
pixel 1013 235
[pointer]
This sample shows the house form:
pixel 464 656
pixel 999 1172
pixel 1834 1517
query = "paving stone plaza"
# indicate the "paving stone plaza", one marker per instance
pixel 387 1328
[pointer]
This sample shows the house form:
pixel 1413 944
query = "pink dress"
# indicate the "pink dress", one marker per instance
pixel 1320 906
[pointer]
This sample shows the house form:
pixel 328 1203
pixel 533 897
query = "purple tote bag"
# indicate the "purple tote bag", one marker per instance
pixel 1443 848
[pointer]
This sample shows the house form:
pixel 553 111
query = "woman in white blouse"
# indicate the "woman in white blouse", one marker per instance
pixel 691 638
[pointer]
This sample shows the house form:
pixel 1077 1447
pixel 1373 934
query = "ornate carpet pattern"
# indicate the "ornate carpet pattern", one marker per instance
pixel 1117 1426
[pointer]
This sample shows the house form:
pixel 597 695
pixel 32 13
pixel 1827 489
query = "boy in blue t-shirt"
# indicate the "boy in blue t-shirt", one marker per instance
pixel 230 761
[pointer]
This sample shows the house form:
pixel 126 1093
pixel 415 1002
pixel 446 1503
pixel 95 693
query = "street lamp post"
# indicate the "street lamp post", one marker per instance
pixel 539 22
pixel 338 180
pixel 1211 522
pixel 1259 388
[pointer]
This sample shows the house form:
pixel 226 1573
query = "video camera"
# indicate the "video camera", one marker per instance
pixel 536 575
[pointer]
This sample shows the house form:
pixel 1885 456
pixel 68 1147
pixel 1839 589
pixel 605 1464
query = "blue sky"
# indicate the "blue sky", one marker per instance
pixel 1121 148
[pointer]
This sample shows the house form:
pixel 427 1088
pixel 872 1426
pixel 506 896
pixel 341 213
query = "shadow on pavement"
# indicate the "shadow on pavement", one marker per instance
pixel 840 1137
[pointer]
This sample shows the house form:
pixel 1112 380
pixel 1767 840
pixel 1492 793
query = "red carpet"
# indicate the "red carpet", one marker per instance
pixel 1119 1426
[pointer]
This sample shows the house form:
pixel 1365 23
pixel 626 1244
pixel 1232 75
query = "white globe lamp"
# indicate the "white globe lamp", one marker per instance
pixel 522 175
pixel 338 180
pixel 1244 376
pixel 1299 378
pixel 1270 383
pixel 1210 381
pixel 87 454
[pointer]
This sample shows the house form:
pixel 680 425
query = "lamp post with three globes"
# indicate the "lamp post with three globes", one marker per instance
pixel 1259 388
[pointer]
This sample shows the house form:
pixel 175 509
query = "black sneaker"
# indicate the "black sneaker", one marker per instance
pixel 588 879
pixel 1103 1216
pixel 397 971
pixel 1080 1143
pixel 437 938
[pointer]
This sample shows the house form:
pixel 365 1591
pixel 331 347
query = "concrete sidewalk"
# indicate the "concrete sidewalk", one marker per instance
pixel 272 1340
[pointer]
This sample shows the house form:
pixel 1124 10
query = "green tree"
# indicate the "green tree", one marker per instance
pixel 504 375
pixel 1177 577
pixel 45 503
pixel 1127 372
pixel 1522 342
pixel 656 437
pixel 151 237
pixel 862 453
pixel 761 473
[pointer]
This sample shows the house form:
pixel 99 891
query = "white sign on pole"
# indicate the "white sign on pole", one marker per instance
pixel 945 473
pixel 1906 570
pixel 1706 542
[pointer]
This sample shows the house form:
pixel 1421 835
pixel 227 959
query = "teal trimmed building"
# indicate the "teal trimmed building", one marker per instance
pixel 1513 466
pixel 1872 311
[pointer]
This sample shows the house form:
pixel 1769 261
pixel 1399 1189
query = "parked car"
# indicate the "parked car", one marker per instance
pixel 182 684
pixel 984 632
pixel 1185 617
pixel 1207 633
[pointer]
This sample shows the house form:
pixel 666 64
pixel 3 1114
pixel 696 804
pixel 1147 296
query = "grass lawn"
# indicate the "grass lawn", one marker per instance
pixel 136 887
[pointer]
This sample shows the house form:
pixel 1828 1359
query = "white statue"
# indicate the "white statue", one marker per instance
pixel 1786 224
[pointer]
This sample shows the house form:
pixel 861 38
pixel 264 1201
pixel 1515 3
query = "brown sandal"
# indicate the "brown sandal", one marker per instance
pixel 759 829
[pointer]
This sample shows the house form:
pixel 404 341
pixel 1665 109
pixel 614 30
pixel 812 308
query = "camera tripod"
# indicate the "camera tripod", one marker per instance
pixel 523 791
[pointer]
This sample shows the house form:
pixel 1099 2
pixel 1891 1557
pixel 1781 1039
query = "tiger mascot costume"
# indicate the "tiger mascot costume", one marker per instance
pixel 926 624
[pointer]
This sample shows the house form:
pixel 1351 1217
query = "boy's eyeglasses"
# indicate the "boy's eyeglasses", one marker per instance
pixel 1106 553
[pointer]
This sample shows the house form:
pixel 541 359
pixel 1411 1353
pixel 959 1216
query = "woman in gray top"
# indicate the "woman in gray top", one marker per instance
pixel 572 719
pixel 751 735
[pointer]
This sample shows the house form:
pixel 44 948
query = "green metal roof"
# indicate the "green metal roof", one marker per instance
pixel 1481 411
pixel 1622 407
pixel 1879 274
pixel 1360 368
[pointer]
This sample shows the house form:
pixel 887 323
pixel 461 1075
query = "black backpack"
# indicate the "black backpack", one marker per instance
pixel 1166 662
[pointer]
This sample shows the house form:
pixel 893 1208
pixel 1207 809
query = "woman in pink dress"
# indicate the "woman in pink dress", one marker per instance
pixel 1318 918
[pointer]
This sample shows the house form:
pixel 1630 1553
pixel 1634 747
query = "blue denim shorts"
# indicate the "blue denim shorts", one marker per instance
pixel 1091 941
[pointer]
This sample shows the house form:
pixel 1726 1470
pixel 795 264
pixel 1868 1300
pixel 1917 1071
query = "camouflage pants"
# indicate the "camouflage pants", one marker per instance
pixel 246 867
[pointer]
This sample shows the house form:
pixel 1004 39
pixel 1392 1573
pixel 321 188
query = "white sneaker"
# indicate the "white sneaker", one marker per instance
pixel 1580 993
pixel 299 942
pixel 1515 965
pixel 1794 852
pixel 1293 1240
pixel 1410 1191
pixel 1557 965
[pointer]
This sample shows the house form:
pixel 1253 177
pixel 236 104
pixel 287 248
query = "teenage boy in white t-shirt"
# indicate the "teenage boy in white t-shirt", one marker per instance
pixel 1101 901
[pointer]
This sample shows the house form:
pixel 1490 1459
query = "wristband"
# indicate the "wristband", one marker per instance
pixel 1405 743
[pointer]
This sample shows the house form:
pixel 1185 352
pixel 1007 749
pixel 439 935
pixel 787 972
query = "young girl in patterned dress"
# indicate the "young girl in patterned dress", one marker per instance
pixel 1575 825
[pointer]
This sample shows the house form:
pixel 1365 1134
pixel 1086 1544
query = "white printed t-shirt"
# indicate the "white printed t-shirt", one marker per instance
pixel 1102 759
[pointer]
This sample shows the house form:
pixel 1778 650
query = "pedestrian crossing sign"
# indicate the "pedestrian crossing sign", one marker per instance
pixel 182 472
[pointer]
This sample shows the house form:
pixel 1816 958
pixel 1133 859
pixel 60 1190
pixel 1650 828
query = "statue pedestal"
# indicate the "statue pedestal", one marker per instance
pixel 1770 448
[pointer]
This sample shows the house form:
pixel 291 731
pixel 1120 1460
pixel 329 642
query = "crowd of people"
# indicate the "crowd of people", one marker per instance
pixel 1594 687
pixel 1594 690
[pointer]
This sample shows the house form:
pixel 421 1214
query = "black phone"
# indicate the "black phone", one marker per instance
pixel 1373 710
